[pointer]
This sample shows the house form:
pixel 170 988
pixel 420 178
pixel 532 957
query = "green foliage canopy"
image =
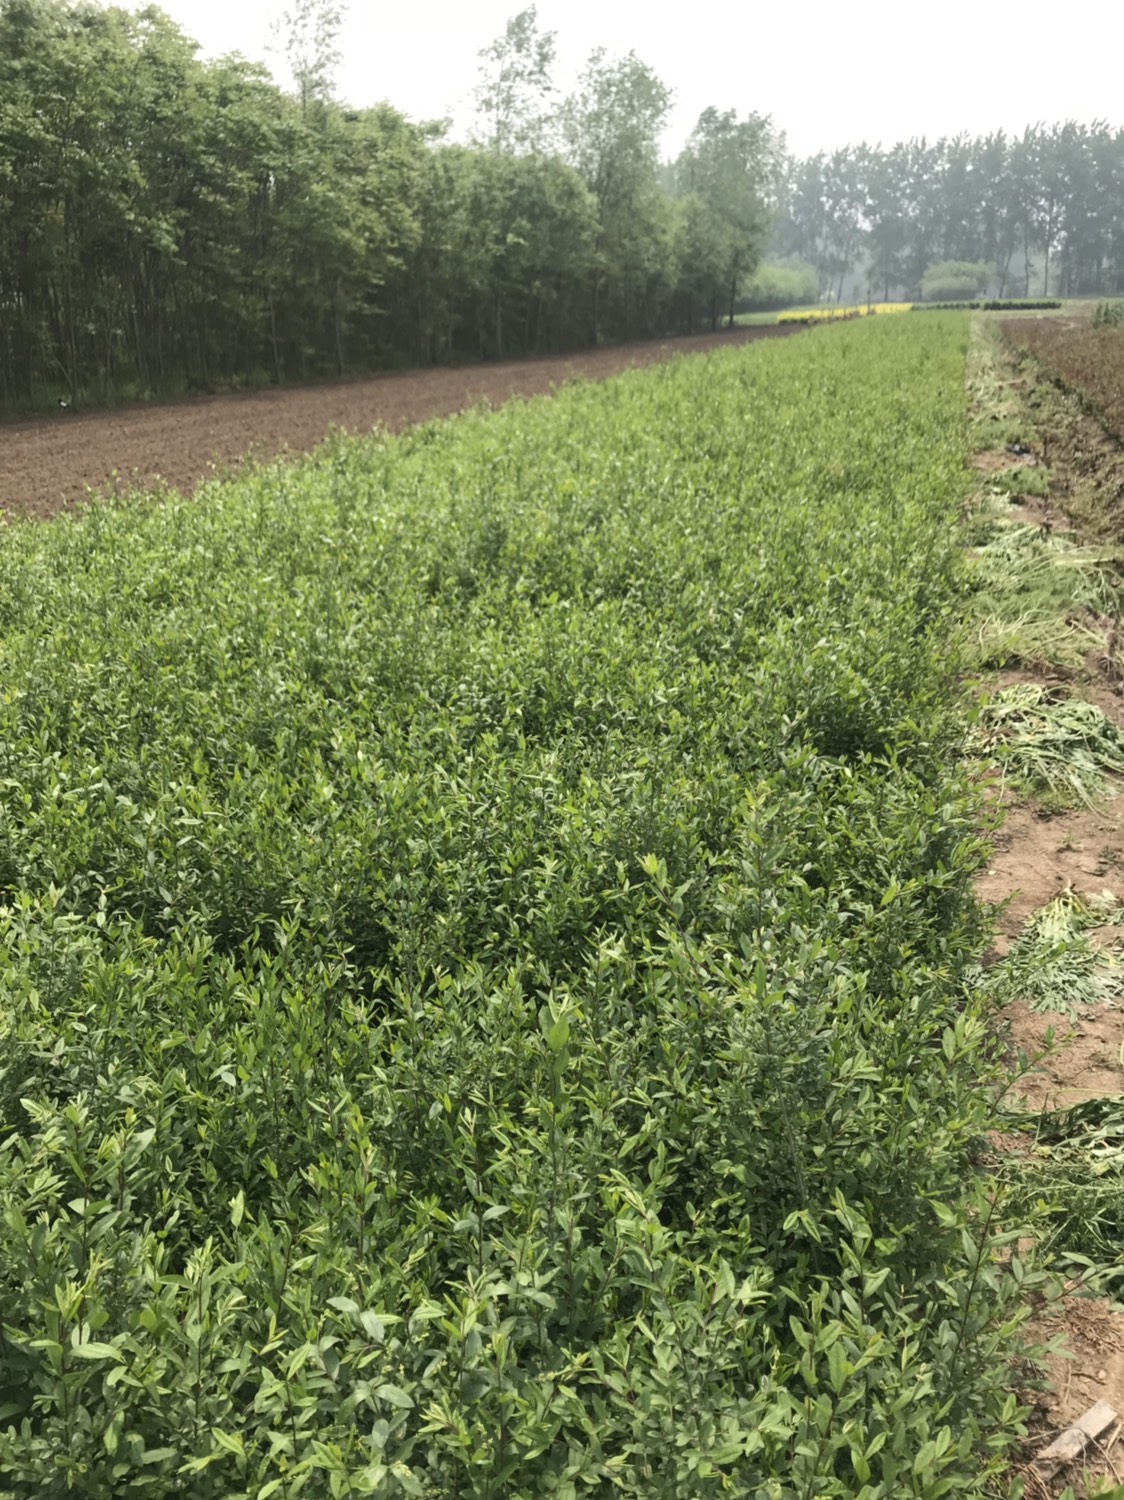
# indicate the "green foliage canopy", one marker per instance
pixel 1044 208
pixel 954 280
pixel 168 223
pixel 726 174
pixel 781 283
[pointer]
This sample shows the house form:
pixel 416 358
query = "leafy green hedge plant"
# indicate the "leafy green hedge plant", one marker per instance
pixel 486 935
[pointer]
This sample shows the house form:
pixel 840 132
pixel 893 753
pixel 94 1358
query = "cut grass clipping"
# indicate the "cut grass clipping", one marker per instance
pixel 1021 481
pixel 1038 597
pixel 1071 1184
pixel 1055 965
pixel 1063 748
pixel 1070 1181
pixel 997 414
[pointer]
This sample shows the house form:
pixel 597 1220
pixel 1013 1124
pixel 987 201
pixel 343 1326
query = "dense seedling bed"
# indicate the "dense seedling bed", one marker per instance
pixel 485 934
pixel 1086 358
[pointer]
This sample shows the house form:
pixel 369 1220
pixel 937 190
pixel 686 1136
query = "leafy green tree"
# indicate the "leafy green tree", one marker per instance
pixel 820 216
pixel 956 280
pixel 800 223
pixel 504 252
pixel 513 95
pixel 791 282
pixel 886 218
pixel 167 222
pixel 730 167
pixel 998 211
pixel 609 130
pixel 307 35
pixel 1044 208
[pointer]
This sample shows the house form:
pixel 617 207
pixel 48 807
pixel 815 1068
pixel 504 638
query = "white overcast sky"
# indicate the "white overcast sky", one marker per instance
pixel 828 74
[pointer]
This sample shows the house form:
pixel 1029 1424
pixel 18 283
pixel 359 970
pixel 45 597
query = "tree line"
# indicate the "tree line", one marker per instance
pixel 1041 212
pixel 169 223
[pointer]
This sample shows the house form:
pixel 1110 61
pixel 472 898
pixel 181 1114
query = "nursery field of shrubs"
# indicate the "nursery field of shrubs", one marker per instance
pixel 1087 358
pixel 486 936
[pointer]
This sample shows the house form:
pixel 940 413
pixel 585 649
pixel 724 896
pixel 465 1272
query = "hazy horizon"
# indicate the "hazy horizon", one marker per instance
pixel 825 82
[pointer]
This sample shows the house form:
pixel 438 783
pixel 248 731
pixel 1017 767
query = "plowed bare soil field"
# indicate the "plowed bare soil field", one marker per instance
pixel 52 463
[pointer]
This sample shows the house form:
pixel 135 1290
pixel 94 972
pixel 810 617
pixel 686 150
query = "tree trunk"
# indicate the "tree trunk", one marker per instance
pixel 1026 268
pixel 138 351
pixel 273 340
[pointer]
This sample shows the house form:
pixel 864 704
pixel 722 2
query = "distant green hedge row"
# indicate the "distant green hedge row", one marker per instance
pixel 1020 305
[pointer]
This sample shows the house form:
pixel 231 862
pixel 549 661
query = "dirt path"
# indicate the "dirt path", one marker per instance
pixel 1044 852
pixel 51 463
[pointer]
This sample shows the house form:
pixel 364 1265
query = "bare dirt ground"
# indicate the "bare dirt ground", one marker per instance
pixel 52 463
pixel 1035 857
pixel 1091 1371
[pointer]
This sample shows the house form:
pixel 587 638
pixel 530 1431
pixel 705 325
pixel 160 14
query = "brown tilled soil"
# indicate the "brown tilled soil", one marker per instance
pixel 998 460
pixel 1091 1370
pixel 52 463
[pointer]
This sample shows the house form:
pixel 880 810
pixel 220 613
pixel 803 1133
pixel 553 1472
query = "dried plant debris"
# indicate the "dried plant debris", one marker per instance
pixel 1055 965
pixel 1043 741
pixel 1040 598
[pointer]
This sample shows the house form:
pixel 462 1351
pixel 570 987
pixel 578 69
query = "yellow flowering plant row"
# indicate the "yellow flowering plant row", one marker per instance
pixel 837 314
